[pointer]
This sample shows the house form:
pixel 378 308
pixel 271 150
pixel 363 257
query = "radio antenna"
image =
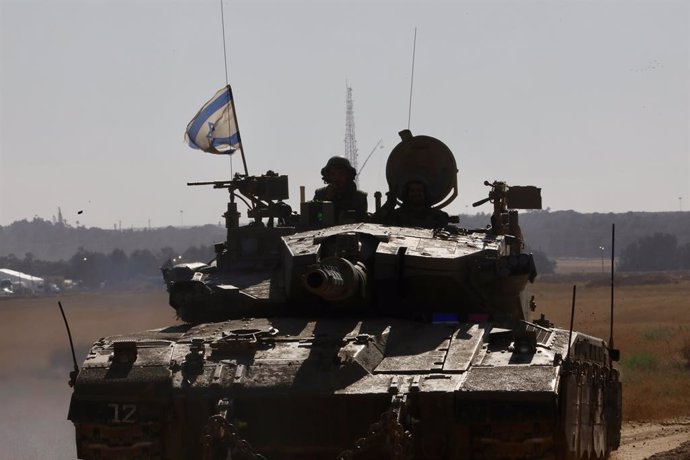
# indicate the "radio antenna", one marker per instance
pixel 75 372
pixel 369 156
pixel 225 52
pixel 414 48
pixel 613 353
pixel 232 99
pixel 572 320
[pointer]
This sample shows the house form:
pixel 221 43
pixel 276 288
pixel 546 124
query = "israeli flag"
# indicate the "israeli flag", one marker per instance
pixel 214 128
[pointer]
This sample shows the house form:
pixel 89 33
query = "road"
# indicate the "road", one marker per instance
pixel 668 440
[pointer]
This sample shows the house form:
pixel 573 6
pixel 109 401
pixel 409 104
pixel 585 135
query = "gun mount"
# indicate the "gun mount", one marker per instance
pixel 507 200
pixel 262 195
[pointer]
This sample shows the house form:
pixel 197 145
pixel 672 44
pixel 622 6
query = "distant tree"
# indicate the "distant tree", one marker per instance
pixel 651 253
pixel 198 254
pixel 89 267
pixel 10 261
pixel 684 257
pixel 166 253
pixel 117 266
pixel 543 263
pixel 143 262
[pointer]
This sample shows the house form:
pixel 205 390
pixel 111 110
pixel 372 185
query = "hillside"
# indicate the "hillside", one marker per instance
pixel 53 242
pixel 558 234
pixel 574 234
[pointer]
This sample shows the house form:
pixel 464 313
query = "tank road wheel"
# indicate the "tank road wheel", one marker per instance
pixel 599 435
pixel 588 407
pixel 570 415
pixel 586 411
pixel 614 404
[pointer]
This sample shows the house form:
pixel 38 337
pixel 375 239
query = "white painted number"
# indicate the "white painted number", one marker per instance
pixel 123 413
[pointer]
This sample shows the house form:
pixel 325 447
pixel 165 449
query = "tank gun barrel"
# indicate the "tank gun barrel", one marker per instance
pixel 335 278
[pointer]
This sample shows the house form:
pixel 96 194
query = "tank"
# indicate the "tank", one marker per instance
pixel 364 340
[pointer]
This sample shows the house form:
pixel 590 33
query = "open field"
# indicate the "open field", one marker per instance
pixel 568 265
pixel 35 362
pixel 652 330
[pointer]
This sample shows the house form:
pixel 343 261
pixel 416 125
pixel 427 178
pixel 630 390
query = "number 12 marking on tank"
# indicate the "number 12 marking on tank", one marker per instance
pixel 123 413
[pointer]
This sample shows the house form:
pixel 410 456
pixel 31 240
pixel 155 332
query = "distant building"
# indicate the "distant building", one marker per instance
pixel 14 282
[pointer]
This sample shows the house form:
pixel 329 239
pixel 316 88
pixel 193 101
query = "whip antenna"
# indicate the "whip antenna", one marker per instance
pixel 75 372
pixel 225 51
pixel 227 84
pixel 414 48
pixel 572 320
pixel 613 243
pixel 614 354
pixel 369 156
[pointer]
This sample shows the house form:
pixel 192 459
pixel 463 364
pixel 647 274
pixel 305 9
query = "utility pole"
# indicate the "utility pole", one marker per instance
pixel 350 140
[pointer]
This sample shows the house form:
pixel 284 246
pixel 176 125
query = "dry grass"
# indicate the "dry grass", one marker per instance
pixel 652 331
pixel 570 265
pixel 35 326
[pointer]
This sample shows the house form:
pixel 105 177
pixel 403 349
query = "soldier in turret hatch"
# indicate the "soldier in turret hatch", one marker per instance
pixel 349 204
pixel 416 211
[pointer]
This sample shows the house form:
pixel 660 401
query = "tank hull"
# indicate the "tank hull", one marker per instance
pixel 300 388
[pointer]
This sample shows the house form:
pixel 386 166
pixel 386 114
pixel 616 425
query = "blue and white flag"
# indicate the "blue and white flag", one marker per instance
pixel 214 128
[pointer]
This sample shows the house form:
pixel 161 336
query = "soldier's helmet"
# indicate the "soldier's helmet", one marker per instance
pixel 340 163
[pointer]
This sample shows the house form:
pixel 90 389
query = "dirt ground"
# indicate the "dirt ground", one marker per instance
pixel 652 326
pixel 656 441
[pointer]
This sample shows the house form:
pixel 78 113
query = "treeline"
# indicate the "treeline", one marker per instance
pixel 58 241
pixel 558 234
pixel 659 251
pixel 91 269
pixel 574 234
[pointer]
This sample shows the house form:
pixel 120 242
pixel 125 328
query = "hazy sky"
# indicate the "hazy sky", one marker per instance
pixel 586 99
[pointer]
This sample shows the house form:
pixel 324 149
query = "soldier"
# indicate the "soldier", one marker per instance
pixel 342 190
pixel 416 211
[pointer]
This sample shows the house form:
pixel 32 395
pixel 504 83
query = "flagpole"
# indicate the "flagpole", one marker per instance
pixel 232 101
pixel 237 127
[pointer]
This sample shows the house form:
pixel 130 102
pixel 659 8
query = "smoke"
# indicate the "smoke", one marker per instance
pixel 34 423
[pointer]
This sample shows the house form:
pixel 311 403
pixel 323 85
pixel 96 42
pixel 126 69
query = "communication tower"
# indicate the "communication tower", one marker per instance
pixel 350 140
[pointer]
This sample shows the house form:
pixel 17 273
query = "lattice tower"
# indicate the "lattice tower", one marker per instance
pixel 350 140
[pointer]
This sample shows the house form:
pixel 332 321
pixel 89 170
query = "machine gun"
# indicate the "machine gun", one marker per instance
pixel 263 196
pixel 506 200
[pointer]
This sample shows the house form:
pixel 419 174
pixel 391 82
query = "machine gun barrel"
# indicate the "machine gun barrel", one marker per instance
pixel 335 278
pixel 215 183
pixel 480 202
